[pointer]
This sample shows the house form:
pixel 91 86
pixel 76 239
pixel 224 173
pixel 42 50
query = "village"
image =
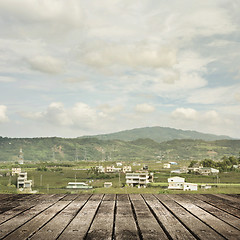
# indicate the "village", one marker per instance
pixel 97 176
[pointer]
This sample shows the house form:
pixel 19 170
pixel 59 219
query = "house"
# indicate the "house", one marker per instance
pixel 181 170
pixel 166 165
pixel 178 183
pixel 205 186
pixel 119 164
pixel 208 171
pixel 190 186
pixel 108 184
pixel 139 179
pixel 23 183
pixel 101 169
pixel 112 169
pixel 16 171
pixel 78 185
pixel 127 169
pixel 203 170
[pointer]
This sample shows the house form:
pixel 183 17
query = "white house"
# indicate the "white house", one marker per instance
pixel 23 183
pixel 16 171
pixel 119 164
pixel 178 183
pixel 208 171
pixel 139 179
pixel 127 169
pixel 101 169
pixel 166 165
pixel 112 169
pixel 190 186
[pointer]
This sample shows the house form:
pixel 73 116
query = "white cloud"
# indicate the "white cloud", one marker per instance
pixel 41 17
pixel 3 114
pixel 79 116
pixel 144 108
pixel 134 55
pixel 7 79
pixel 185 113
pixel 216 95
pixel 46 64
pixel 209 118
pixel 108 109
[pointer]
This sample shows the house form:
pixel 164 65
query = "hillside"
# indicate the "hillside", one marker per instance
pixel 62 149
pixel 158 134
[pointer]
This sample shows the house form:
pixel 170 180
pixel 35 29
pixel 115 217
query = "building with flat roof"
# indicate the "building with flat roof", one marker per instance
pixel 139 179
pixel 178 183
pixel 127 169
pixel 23 183
pixel 78 185
pixel 16 171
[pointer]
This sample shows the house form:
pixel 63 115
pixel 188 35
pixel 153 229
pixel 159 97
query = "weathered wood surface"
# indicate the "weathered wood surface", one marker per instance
pixel 112 216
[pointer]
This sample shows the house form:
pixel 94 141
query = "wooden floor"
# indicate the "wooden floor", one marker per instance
pixel 119 216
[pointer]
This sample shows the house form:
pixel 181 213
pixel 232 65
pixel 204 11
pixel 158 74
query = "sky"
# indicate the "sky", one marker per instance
pixel 78 67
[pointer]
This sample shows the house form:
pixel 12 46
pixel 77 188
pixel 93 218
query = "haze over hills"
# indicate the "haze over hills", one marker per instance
pixel 159 134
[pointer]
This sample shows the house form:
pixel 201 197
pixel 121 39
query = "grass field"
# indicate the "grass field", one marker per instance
pixel 57 176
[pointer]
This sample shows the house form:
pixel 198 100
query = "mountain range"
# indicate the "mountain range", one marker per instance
pixel 146 144
pixel 158 134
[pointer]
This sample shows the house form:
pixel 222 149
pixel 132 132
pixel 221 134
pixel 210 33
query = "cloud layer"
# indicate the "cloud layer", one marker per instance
pixel 82 67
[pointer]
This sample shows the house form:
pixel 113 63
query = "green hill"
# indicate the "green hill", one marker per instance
pixel 158 134
pixel 63 149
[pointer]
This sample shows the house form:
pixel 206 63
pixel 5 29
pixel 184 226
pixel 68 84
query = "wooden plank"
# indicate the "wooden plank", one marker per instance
pixel 225 201
pixel 4 196
pixel 195 226
pixel 229 198
pixel 218 204
pixel 235 195
pixel 226 217
pixel 149 227
pixel 172 226
pixel 102 226
pixel 80 197
pixel 55 226
pixel 12 202
pixel 78 227
pixel 9 226
pixel 125 225
pixel 30 227
pixel 109 197
pixel 218 225
pixel 19 209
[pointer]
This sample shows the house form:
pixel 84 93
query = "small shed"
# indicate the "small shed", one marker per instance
pixel 108 184
pixel 190 187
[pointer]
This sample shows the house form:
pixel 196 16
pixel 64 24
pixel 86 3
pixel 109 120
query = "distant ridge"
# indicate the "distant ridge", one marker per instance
pixel 159 134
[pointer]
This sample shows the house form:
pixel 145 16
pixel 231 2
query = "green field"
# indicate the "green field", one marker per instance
pixel 54 177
